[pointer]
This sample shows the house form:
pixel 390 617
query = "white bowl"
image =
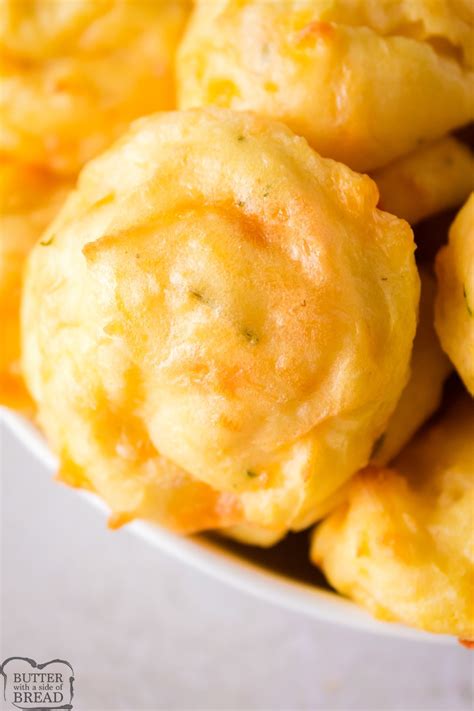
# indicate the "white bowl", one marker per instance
pixel 281 575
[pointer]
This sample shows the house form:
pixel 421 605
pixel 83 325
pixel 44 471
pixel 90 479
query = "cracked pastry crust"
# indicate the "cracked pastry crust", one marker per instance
pixel 401 545
pixel 336 71
pixel 225 312
pixel 431 179
pixel 454 313
pixel 74 74
pixel 29 199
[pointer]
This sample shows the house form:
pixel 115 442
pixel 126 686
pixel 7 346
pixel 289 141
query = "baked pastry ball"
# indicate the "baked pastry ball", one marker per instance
pixel 421 397
pixel 429 368
pixel 29 199
pixel 74 74
pixel 455 299
pixel 365 82
pixel 431 179
pixel 221 308
pixel 402 545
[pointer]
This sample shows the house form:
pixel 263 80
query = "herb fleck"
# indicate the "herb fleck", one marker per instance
pixel 251 474
pixel 197 295
pixel 47 242
pixel 241 138
pixel 251 336
pixel 468 307
pixel 240 203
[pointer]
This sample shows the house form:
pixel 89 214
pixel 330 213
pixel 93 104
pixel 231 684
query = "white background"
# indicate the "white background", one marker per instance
pixel 143 631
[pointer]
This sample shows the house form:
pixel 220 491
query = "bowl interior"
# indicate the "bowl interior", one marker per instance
pixel 281 575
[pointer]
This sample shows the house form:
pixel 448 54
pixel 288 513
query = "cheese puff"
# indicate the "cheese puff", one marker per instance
pixel 29 199
pixel 402 544
pixel 454 314
pixel 74 74
pixel 365 82
pixel 422 395
pixel 218 296
pixel 432 179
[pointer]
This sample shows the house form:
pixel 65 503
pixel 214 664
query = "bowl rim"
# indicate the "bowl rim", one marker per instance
pixel 214 559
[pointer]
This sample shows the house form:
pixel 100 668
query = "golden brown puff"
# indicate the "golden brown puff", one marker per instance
pixel 29 199
pixel 74 74
pixel 402 545
pixel 445 24
pixel 422 395
pixel 240 297
pixel 40 29
pixel 454 313
pixel 364 82
pixel 431 179
pixel 46 29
